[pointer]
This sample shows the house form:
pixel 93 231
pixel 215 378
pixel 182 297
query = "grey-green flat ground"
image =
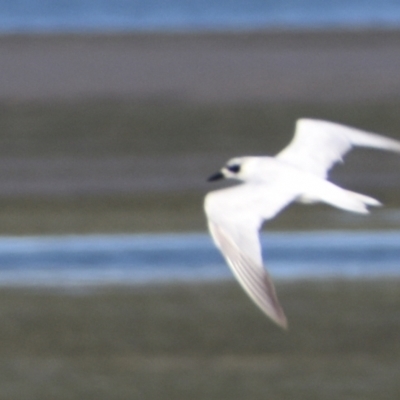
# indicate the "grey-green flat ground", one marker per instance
pixel 127 166
pixel 203 341
pixel 118 132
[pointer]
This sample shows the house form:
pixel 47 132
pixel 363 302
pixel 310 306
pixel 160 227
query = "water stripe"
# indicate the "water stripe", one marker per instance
pixel 115 259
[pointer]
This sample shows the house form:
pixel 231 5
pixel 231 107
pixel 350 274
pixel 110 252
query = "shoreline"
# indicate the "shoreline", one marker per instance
pixel 358 34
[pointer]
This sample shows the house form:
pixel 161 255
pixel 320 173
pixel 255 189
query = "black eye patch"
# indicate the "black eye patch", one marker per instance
pixel 235 168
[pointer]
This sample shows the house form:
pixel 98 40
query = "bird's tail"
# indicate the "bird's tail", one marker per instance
pixel 345 199
pixel 366 200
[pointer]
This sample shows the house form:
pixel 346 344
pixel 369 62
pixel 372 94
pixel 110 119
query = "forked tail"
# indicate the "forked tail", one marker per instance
pixel 345 199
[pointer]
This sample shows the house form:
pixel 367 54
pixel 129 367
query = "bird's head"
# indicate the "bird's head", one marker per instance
pixel 239 168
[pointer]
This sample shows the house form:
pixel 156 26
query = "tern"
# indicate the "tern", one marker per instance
pixel 268 184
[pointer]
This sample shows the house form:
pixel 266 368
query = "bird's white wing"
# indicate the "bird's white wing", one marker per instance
pixel 235 216
pixel 317 145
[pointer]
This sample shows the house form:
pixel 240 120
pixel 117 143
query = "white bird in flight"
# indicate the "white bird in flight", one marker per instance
pixel 269 184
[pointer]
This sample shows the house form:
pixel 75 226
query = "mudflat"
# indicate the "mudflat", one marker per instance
pixel 201 341
pixel 118 133
pixel 256 66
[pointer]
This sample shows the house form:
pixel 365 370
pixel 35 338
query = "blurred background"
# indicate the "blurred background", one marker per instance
pixel 112 115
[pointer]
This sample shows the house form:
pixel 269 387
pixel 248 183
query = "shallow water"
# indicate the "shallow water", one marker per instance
pixel 137 259
pixel 42 15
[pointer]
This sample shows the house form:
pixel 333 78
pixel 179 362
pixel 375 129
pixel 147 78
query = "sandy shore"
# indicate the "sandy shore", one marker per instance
pixel 261 66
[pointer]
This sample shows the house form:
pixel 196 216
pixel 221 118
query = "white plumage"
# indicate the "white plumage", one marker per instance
pixel 298 173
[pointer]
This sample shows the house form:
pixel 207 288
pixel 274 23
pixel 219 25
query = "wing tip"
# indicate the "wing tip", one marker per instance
pixel 283 323
pixel 279 318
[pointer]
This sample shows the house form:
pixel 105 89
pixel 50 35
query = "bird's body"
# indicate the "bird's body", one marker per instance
pixel 269 184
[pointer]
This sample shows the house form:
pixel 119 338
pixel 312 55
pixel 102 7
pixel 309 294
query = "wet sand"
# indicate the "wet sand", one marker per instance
pixel 259 66
pixel 201 341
